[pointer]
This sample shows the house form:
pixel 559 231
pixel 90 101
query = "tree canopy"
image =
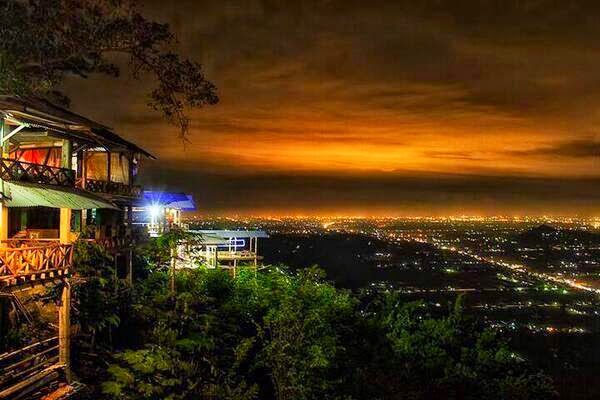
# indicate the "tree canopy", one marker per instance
pixel 44 41
pixel 281 335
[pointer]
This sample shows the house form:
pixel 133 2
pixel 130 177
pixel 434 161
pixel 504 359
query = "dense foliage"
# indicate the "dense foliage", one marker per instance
pixel 281 335
pixel 45 41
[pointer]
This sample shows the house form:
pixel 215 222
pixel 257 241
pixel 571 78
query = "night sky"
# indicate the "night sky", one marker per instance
pixel 377 108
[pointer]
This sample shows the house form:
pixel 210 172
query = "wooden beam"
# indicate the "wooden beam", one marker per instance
pixel 12 133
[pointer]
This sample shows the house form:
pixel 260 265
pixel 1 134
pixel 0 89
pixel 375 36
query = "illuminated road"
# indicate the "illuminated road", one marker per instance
pixel 515 267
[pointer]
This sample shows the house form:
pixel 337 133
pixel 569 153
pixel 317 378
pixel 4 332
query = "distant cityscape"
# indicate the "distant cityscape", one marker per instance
pixel 534 278
pixel 522 265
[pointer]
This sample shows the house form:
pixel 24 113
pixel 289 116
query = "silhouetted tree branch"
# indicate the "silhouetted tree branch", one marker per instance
pixel 44 41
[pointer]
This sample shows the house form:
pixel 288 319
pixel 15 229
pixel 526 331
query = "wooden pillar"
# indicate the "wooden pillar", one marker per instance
pixel 65 226
pixel 64 329
pixel 66 155
pixel 4 131
pixel 66 159
pixel 3 222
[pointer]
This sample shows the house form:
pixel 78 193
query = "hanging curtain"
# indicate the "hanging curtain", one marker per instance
pixel 119 168
pixel 96 166
pixel 44 156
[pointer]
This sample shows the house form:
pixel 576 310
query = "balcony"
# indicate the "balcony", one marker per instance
pixel 23 260
pixel 114 188
pixel 14 170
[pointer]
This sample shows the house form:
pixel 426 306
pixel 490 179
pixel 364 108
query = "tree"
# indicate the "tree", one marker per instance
pixel 452 356
pixel 44 41
pixel 100 298
pixel 192 342
pixel 301 335
pixel 279 335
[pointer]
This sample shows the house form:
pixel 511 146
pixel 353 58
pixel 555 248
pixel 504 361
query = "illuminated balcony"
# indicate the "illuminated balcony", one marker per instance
pixel 14 170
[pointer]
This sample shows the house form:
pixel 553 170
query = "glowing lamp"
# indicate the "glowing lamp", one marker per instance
pixel 155 210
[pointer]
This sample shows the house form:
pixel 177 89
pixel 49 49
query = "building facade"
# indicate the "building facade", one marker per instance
pixel 63 178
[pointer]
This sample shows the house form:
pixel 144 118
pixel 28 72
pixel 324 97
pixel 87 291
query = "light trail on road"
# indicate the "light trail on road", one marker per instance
pixel 514 267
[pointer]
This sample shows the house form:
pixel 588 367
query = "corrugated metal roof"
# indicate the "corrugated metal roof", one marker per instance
pixel 29 195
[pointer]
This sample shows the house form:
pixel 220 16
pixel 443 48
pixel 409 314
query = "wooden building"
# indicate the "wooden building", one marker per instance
pixel 61 175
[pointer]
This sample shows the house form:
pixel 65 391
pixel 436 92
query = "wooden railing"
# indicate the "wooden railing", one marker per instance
pixel 116 188
pixel 14 170
pixel 23 370
pixel 33 261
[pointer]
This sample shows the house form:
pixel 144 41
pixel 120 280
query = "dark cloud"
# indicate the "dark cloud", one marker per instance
pixel 576 149
pixel 422 194
pixel 503 90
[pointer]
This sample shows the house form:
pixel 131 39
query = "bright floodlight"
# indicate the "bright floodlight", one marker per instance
pixel 155 210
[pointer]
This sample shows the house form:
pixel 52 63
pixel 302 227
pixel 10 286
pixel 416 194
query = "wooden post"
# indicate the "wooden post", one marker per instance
pixel 4 131
pixel 64 329
pixel 66 159
pixel 65 226
pixel 3 222
pixel 66 155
